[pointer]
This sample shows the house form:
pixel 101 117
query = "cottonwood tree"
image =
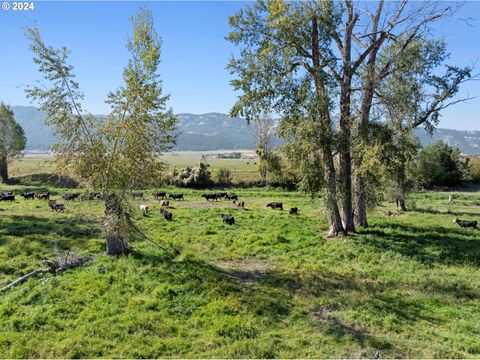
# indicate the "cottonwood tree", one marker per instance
pixel 281 64
pixel 415 96
pixel 312 59
pixel 119 152
pixel 410 22
pixel 12 139
pixel 264 127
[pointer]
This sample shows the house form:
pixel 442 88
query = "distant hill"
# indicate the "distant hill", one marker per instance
pixel 467 141
pixel 216 131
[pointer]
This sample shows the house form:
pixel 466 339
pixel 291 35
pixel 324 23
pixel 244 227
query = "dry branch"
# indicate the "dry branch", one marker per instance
pixel 54 267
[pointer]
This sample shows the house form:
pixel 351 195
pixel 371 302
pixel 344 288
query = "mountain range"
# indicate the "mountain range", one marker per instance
pixel 216 131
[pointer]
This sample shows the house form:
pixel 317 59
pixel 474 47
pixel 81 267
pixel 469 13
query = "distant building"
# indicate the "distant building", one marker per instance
pixel 232 155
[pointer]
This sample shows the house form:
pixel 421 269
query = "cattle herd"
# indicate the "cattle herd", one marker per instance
pixel 161 196
pixel 164 202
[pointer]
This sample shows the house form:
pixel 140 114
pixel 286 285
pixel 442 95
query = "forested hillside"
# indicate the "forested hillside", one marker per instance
pixel 215 131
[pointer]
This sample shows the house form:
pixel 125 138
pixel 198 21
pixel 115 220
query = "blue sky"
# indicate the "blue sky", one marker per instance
pixel 194 52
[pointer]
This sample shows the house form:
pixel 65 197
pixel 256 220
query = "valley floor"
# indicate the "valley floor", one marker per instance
pixel 270 286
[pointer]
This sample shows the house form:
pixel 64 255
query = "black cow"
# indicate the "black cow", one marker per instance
pixel 466 223
pixel 166 214
pixel 160 195
pixel 176 196
pixel 70 197
pixel 293 211
pixel 228 219
pixel 275 205
pixel 232 197
pixel 56 206
pixel 210 196
pixel 28 195
pixel 7 196
pixel 222 195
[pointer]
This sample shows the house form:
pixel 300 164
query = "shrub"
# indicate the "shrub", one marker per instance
pixel 223 176
pixel 474 169
pixel 439 164
pixel 195 177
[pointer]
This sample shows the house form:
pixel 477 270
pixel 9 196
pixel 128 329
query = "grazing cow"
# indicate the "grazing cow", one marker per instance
pixel 137 195
pixel 51 204
pixel 144 209
pixel 275 205
pixel 28 195
pixel 56 206
pixel 43 196
pixel 176 196
pixel 7 196
pixel 159 195
pixel 239 204
pixel 210 197
pixel 222 195
pixel 70 197
pixel 466 223
pixel 228 219
pixel 166 214
pixel 293 211
pixel 232 197
pixel 164 203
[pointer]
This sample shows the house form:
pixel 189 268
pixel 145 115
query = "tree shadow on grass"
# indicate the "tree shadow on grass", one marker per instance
pixel 45 179
pixel 439 212
pixel 428 245
pixel 71 231
pixel 271 296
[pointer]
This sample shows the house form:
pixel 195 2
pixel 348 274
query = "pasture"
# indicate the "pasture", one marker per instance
pixel 240 169
pixel 269 286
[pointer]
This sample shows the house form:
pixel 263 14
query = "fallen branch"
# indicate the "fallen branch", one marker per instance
pixel 25 277
pixel 54 267
pixel 73 263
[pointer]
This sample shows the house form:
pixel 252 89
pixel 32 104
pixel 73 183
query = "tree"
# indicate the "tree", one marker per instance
pixel 12 139
pixel 123 151
pixel 281 68
pixel 263 133
pixel 415 97
pixel 307 60
pixel 411 22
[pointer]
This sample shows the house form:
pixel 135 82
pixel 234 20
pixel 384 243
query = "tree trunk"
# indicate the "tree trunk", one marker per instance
pixel 346 179
pixel 364 118
pixel 115 226
pixel 401 189
pixel 4 169
pixel 336 226
pixel 361 210
pixel 345 122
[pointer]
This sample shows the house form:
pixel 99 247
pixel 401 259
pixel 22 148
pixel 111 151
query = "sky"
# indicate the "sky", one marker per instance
pixel 194 52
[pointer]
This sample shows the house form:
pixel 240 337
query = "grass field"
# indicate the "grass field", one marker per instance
pixel 240 169
pixel 270 286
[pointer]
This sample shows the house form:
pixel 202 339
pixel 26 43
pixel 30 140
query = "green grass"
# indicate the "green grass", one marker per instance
pixel 29 167
pixel 270 286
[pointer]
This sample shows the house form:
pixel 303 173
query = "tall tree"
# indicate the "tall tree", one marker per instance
pixel 410 22
pixel 264 127
pixel 314 59
pixel 122 151
pixel 282 66
pixel 12 139
pixel 415 97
